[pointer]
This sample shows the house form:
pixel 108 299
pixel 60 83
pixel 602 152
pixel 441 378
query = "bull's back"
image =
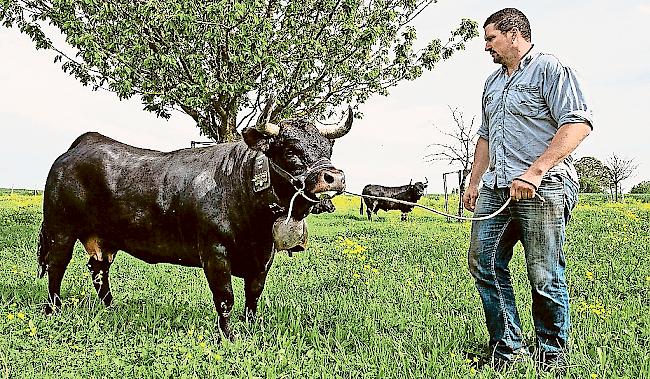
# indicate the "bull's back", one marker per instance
pixel 98 172
pixel 140 200
pixel 382 191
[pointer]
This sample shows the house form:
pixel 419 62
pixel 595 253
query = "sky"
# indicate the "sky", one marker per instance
pixel 42 109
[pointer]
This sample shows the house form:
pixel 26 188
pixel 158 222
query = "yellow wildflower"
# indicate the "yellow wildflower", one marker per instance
pixel 32 328
pixel 21 315
pixel 10 316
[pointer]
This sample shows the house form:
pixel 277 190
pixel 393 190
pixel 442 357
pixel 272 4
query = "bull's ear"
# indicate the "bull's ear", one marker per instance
pixel 256 140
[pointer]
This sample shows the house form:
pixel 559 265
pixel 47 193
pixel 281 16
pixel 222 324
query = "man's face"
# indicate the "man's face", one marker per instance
pixel 498 44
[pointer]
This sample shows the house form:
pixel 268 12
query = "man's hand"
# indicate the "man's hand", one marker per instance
pixel 469 198
pixel 525 186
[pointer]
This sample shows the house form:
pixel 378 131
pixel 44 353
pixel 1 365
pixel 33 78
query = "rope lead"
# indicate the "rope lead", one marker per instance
pixel 437 211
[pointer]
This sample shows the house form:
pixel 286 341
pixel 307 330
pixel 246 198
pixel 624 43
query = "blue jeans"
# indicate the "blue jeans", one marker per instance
pixel 540 226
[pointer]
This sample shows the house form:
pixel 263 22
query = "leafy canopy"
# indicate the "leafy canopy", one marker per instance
pixel 218 61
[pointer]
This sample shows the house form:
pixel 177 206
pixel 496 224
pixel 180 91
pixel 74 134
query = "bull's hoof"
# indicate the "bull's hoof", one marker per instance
pixel 49 310
pixel 248 316
pixel 108 300
pixel 230 336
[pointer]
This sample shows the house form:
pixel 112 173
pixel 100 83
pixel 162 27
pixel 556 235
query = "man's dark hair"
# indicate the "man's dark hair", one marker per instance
pixel 508 18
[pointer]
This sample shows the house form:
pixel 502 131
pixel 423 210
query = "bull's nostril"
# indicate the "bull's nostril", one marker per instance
pixel 329 179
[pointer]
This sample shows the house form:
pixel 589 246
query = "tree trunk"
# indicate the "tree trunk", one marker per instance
pixel 461 191
pixel 218 126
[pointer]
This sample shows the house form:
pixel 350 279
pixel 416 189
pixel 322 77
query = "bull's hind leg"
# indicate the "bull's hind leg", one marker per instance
pixel 370 209
pixel 54 255
pixel 404 216
pixel 101 257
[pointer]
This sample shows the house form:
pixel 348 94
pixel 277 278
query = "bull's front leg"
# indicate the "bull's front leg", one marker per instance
pixel 253 287
pixel 218 272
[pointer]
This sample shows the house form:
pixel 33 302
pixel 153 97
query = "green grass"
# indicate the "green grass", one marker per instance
pixel 365 300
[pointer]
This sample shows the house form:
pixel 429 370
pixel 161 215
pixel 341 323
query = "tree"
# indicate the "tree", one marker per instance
pixel 219 61
pixel 460 150
pixel 592 175
pixel 618 169
pixel 643 187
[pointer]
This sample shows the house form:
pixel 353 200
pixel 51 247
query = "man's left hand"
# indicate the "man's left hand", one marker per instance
pixel 524 187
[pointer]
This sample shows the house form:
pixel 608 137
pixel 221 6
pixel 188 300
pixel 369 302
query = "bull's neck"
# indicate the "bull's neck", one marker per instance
pixel 275 195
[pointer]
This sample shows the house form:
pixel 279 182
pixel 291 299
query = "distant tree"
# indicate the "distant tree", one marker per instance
pixel 215 59
pixel 460 150
pixel 643 187
pixel 592 174
pixel 618 169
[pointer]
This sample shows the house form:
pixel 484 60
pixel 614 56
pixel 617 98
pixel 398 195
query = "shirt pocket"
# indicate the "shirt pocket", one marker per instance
pixel 525 100
pixel 490 103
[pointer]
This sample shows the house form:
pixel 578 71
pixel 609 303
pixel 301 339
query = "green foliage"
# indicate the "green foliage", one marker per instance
pixel 589 184
pixel 366 299
pixel 592 174
pixel 213 59
pixel 643 187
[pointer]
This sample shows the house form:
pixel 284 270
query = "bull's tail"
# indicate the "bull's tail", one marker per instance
pixel 41 253
pixel 361 206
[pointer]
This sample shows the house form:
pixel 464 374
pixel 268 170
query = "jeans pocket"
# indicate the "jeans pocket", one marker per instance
pixel 570 197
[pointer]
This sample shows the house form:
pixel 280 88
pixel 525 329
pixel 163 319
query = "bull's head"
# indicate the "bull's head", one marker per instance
pixel 301 150
pixel 418 188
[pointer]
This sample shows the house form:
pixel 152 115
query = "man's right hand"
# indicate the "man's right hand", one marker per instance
pixel 469 198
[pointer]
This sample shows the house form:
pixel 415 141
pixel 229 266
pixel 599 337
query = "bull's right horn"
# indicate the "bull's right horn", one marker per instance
pixel 337 131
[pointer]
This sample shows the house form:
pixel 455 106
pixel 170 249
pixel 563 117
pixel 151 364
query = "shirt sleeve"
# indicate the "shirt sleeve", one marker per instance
pixel 565 96
pixel 483 130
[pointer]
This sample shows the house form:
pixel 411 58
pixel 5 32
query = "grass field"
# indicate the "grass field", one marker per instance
pixel 381 299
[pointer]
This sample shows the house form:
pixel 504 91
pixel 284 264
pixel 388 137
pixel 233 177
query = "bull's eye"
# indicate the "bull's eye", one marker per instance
pixel 293 160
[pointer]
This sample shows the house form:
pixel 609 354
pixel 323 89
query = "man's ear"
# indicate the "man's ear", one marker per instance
pixel 256 140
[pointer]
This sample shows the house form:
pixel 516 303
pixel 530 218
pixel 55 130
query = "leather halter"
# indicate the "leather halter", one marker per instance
pixel 298 182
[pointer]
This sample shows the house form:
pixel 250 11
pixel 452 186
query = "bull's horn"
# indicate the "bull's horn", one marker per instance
pixel 426 181
pixel 263 124
pixel 337 131
pixel 270 129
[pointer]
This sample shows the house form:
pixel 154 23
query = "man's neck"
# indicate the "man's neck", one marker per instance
pixel 522 51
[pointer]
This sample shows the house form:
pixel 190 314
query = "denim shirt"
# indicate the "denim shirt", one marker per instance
pixel 523 111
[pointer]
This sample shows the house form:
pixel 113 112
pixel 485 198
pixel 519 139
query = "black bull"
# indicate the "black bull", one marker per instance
pixel 410 192
pixel 193 207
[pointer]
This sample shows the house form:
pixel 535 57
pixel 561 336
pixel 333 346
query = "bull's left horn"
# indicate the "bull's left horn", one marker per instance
pixel 270 129
pixel 333 132
pixel 263 124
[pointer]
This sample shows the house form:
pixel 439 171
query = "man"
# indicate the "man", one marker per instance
pixel 534 116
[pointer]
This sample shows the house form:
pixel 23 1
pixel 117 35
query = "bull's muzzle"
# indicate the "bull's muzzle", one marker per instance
pixel 329 180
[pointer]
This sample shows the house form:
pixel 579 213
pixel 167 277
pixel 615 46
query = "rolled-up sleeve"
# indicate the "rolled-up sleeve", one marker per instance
pixel 483 130
pixel 565 96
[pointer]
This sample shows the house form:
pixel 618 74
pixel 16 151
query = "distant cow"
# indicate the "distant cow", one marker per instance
pixel 410 192
pixel 215 207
